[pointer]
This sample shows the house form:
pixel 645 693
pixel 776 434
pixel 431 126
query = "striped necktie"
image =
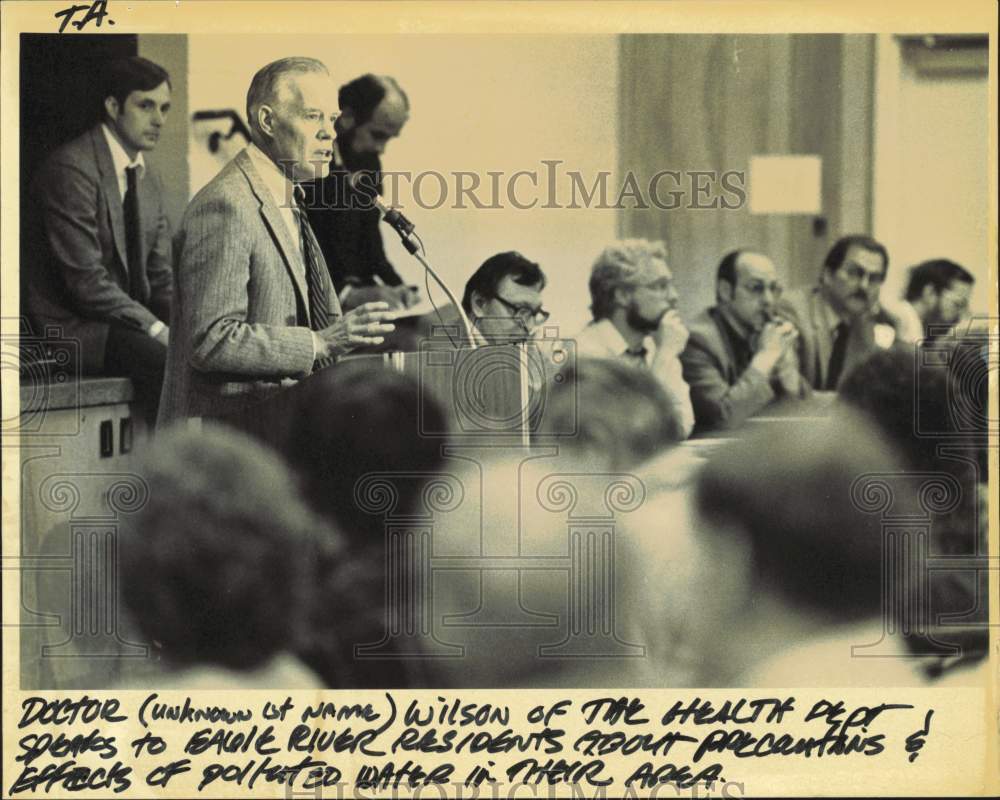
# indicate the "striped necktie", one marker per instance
pixel 320 315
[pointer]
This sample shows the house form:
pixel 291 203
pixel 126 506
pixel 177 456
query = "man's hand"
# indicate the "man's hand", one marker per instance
pixel 409 296
pixel 776 338
pixel 365 325
pixel 671 335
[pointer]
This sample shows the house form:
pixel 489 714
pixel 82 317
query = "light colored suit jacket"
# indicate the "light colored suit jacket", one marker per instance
pixel 76 273
pixel 804 308
pixel 241 312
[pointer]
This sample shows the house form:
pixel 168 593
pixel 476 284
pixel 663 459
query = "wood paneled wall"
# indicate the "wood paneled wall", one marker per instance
pixel 708 103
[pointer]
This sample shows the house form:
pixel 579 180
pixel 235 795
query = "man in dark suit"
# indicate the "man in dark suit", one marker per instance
pixel 840 321
pixel 739 357
pixel 103 272
pixel 254 305
pixel 373 111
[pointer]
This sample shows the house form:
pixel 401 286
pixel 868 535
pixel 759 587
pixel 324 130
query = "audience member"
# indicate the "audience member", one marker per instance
pixel 919 405
pixel 937 297
pixel 803 562
pixel 619 413
pixel 373 111
pixel 101 271
pixel 740 357
pixel 634 305
pixel 503 299
pixel 348 423
pixel 837 319
pixel 217 567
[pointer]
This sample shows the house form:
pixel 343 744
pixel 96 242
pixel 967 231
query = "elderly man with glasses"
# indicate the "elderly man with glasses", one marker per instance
pixel 741 356
pixel 841 321
pixel 503 299
pixel 634 304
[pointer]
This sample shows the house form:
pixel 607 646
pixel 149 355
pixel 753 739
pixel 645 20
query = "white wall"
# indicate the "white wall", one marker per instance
pixel 931 193
pixel 478 103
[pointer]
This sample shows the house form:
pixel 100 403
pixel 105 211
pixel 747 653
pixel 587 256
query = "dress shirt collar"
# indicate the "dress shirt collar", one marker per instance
pixel 278 185
pixel 120 158
pixel 610 338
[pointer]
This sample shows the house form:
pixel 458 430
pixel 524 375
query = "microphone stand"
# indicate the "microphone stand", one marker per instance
pixel 405 228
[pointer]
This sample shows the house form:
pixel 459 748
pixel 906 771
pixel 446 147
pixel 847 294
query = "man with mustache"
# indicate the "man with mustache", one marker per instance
pixel 634 304
pixel 840 321
pixel 373 111
pixel 254 304
pixel 100 270
pixel 740 356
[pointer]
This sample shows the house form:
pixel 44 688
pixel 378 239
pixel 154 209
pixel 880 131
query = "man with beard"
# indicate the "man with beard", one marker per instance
pixel 937 297
pixel 840 321
pixel 634 304
pixel 373 111
pixel 740 357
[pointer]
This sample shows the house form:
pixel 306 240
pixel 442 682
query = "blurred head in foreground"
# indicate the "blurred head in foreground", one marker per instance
pixel 216 564
pixel 620 414
pixel 348 424
pixel 792 541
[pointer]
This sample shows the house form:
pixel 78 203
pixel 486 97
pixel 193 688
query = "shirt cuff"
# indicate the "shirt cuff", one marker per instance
pixel 318 345
pixel 156 328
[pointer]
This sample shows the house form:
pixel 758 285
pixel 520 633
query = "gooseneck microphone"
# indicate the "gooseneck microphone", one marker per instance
pixel 359 182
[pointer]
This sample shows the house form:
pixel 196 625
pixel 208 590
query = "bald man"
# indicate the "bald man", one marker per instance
pixel 373 111
pixel 739 356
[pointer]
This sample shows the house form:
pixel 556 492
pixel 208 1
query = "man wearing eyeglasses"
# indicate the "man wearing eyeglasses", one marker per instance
pixel 741 356
pixel 937 297
pixel 503 299
pixel 840 321
pixel 634 304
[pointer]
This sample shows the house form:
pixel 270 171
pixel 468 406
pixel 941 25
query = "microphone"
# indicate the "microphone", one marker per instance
pixel 405 229
pixel 393 218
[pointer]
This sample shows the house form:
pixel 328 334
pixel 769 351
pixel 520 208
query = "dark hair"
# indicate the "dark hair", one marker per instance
pixel 123 76
pixel 727 269
pixel 789 492
pixel 349 423
pixel 494 269
pixel 355 420
pixel 362 95
pixel 589 398
pixel 217 564
pixel 838 252
pixel 939 273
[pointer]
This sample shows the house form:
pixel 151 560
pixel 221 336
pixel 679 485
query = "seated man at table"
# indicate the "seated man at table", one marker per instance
pixel 634 304
pixel 739 357
pixel 840 320
pixel 937 296
pixel 503 299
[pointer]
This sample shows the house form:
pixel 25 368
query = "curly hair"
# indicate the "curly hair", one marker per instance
pixel 617 266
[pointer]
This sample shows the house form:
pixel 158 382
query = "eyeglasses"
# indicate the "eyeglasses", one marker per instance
pixel 758 288
pixel 526 315
pixel 858 275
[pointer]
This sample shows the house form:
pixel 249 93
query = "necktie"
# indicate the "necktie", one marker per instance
pixel 133 230
pixel 637 356
pixel 319 307
pixel 837 354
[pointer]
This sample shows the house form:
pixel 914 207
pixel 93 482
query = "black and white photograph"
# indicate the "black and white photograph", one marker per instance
pixel 500 399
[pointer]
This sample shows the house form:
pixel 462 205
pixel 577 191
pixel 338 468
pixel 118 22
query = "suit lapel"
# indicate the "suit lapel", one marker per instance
pixel 109 184
pixel 290 252
pixel 822 332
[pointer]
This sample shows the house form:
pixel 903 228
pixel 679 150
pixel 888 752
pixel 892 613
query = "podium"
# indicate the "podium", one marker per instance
pixel 494 393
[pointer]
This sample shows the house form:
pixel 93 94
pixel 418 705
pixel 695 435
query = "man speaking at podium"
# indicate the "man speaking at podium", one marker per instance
pixel 254 305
